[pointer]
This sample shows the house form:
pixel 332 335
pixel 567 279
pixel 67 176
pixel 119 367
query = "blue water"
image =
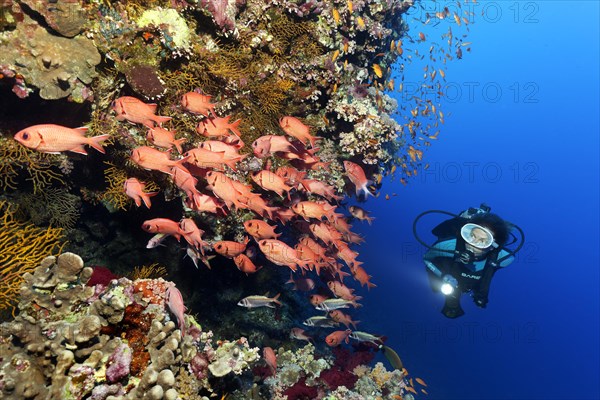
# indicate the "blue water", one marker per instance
pixel 526 142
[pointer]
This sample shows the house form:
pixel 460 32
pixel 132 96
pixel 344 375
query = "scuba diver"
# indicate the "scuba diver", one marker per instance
pixel 469 249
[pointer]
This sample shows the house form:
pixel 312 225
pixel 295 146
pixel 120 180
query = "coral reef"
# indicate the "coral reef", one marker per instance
pixel 223 77
pixel 72 340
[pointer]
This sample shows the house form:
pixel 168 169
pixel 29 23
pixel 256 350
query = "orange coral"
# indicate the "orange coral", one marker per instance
pixel 152 290
pixel 24 246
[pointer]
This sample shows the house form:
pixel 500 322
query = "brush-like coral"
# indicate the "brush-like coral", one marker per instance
pixel 23 246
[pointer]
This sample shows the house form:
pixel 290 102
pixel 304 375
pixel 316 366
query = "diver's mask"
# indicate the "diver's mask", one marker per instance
pixel 477 236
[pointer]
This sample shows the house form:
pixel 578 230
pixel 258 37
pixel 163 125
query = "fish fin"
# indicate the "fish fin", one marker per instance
pixel 233 127
pixel 370 219
pixel 82 130
pixel 152 107
pixel 313 140
pixel 291 280
pixel 178 144
pixel 79 149
pixel 159 119
pixel 138 202
pixel 96 142
pixel 146 198
pixel 275 299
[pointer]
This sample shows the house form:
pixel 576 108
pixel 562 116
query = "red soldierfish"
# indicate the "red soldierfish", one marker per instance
pixel 198 103
pixel 136 111
pixel 50 138
pixel 334 339
pixel 259 229
pixel 152 159
pixel 294 127
pixel 176 306
pixel 163 138
pixel 245 264
pixel 135 189
pixel 270 359
pixel 163 225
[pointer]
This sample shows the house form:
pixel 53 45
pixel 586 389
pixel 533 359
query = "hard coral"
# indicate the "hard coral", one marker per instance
pixel 58 66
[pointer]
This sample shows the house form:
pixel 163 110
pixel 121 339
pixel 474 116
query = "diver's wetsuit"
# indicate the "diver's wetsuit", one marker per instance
pixel 475 276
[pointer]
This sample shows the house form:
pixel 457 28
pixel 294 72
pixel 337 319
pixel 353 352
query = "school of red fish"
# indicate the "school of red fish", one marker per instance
pixel 325 236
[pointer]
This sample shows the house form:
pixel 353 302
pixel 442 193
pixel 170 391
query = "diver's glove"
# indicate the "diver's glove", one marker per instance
pixel 480 301
pixel 451 280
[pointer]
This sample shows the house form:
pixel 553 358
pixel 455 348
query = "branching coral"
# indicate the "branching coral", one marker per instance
pixel 54 206
pixel 152 271
pixel 23 246
pixel 41 167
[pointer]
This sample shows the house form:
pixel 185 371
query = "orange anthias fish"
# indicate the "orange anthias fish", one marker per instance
pixel 294 127
pixel 334 339
pixel 163 138
pixel 198 103
pixel 152 159
pixel 50 138
pixel 136 111
pixel 361 275
pixel 163 225
pixel 357 176
pixel 135 189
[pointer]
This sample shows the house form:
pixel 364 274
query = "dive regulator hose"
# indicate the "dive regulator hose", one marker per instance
pixel 510 252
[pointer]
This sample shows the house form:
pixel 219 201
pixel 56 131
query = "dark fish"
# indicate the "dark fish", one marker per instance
pixel 392 357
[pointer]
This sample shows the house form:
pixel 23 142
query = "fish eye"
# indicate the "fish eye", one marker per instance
pixel 219 246
pixel 25 135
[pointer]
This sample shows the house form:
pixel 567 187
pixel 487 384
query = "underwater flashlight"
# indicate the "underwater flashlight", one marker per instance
pixel 448 285
pixel 447 289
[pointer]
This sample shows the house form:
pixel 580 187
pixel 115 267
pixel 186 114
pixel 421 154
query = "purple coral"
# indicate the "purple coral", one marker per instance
pixel 119 363
pixel 199 365
pixel 218 9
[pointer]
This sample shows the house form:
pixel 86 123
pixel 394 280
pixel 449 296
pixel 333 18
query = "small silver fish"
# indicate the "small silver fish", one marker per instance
pixel 195 255
pixel 320 322
pixel 259 301
pixel 334 304
pixel 366 337
pixel 156 240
